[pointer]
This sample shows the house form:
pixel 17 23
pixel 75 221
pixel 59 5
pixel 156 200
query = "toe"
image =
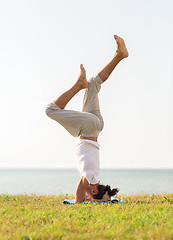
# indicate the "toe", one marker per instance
pixel 82 68
pixel 116 37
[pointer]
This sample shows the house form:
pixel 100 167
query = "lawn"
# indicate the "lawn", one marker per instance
pixel 45 217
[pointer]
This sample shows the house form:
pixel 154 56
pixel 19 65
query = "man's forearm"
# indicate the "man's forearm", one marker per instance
pixel 81 190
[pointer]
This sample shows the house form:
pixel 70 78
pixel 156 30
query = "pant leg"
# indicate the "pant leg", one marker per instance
pixel 91 100
pixel 75 122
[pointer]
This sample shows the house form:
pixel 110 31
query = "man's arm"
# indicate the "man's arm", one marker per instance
pixel 81 189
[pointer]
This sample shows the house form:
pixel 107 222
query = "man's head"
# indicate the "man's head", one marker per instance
pixel 93 189
pixel 101 192
pixel 105 192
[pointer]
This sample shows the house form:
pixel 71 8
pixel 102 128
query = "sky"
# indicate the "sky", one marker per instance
pixel 42 44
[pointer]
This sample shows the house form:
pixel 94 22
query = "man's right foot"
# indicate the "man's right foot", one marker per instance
pixel 82 81
pixel 121 48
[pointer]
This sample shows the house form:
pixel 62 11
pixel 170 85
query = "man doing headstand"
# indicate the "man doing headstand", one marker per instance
pixel 87 125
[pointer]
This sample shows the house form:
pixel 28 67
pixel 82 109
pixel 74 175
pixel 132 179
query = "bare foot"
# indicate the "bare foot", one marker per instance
pixel 82 81
pixel 121 48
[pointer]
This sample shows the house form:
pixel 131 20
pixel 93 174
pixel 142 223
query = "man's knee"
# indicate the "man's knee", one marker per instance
pixel 51 108
pixel 48 111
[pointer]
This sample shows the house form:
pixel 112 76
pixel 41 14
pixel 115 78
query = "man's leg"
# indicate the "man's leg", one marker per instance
pixel 81 83
pixel 73 121
pixel 91 100
pixel 121 52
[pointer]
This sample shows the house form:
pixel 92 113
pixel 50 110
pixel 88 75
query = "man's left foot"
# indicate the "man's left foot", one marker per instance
pixel 121 48
pixel 82 81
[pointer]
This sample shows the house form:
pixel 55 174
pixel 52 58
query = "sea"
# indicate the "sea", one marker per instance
pixel 64 181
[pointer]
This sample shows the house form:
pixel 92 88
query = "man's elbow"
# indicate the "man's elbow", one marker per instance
pixel 81 189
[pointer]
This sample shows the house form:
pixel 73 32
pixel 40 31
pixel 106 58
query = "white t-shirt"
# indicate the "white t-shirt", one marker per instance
pixel 87 155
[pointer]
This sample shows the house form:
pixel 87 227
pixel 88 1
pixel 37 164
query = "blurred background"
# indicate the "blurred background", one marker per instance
pixel 42 44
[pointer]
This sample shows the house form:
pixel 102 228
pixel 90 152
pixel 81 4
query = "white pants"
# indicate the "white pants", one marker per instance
pixel 89 122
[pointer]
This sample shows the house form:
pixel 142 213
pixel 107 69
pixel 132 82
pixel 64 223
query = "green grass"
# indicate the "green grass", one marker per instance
pixel 45 217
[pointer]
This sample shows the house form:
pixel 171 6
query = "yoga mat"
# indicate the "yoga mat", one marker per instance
pixel 112 201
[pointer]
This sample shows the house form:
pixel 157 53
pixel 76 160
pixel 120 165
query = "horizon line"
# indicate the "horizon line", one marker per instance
pixel 47 168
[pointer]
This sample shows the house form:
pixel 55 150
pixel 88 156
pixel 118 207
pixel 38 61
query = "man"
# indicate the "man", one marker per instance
pixel 87 125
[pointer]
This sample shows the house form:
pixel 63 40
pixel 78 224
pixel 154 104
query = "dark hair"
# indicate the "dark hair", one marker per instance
pixel 102 189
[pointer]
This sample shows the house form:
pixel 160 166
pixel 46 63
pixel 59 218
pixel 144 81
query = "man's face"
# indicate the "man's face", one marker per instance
pixel 92 189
